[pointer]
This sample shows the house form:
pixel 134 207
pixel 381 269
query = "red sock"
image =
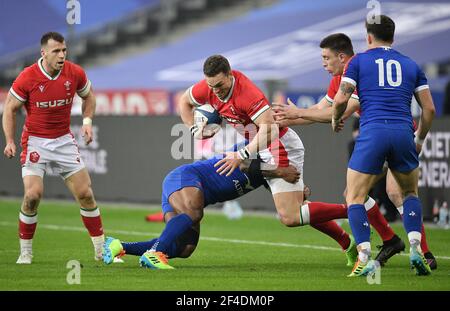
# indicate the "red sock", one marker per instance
pixel 319 212
pixel 92 221
pixel 423 242
pixel 380 224
pixel 27 226
pixel 332 229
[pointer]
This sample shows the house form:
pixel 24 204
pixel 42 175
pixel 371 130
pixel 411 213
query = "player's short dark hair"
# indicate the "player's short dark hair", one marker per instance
pixel 216 64
pixel 339 43
pixel 382 30
pixel 51 35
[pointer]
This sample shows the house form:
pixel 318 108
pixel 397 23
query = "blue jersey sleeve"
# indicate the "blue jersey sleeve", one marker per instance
pixel 351 73
pixel 422 82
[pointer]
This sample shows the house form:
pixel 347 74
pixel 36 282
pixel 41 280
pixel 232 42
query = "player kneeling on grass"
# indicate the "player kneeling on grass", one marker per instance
pixel 186 191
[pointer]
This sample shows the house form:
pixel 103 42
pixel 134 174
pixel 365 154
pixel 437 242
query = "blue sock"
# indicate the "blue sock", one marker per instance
pixel 412 214
pixel 359 223
pixel 174 228
pixel 138 248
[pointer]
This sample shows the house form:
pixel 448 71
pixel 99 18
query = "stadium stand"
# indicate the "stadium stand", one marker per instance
pixel 103 30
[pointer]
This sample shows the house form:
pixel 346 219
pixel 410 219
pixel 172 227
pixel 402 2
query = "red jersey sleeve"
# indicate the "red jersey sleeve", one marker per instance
pixel 19 88
pixel 332 89
pixel 355 93
pixel 83 83
pixel 198 93
pixel 257 108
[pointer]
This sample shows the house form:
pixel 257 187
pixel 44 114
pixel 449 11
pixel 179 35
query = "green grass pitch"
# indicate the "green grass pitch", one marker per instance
pixel 253 253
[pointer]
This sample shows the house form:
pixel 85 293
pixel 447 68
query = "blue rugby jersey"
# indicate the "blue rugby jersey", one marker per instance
pixel 385 81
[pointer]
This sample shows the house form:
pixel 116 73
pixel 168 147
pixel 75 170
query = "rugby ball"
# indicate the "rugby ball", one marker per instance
pixel 207 114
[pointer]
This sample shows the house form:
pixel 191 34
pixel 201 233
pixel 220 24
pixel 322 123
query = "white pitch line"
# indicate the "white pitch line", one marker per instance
pixel 138 233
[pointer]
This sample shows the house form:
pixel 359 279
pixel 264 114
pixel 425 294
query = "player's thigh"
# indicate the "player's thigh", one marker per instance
pixel 288 150
pixel 393 189
pixel 288 207
pixel 358 186
pixel 188 200
pixel 370 151
pixel 33 186
pixel 403 156
pixel 34 156
pixel 408 182
pixel 66 155
pixel 80 184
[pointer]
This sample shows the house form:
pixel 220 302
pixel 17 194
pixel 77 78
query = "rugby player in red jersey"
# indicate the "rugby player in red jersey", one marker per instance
pixel 46 90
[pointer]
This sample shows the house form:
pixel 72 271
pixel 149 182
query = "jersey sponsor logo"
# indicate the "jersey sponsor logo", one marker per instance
pixel 41 88
pixel 238 187
pixel 54 103
pixel 34 157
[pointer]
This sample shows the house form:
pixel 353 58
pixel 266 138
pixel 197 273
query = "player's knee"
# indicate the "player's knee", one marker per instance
pixel 289 220
pixel 187 242
pixel 395 197
pixel 86 197
pixel 195 213
pixel 354 198
pixel 187 251
pixel 31 201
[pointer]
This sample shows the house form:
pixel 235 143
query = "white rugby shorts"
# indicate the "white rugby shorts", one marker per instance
pixel 61 153
pixel 289 151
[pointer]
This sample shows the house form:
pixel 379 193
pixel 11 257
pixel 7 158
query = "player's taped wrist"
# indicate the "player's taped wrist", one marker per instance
pixel 243 153
pixel 417 140
pixel 87 121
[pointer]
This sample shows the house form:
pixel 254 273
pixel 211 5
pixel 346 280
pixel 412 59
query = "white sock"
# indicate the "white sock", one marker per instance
pixel 400 210
pixel 364 252
pixel 304 215
pixel 98 241
pixel 26 246
pixel 369 203
pixel 414 238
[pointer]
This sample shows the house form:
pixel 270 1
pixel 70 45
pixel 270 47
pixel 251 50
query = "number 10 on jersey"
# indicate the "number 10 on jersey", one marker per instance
pixel 389 65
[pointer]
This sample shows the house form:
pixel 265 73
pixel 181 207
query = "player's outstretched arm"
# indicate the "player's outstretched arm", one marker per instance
pixel 12 105
pixel 88 112
pixel 290 114
pixel 425 101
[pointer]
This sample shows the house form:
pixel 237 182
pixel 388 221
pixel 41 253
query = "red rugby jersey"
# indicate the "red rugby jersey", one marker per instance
pixel 243 105
pixel 48 100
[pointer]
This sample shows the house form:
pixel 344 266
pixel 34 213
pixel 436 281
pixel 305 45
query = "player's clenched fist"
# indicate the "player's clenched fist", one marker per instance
pixel 10 150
